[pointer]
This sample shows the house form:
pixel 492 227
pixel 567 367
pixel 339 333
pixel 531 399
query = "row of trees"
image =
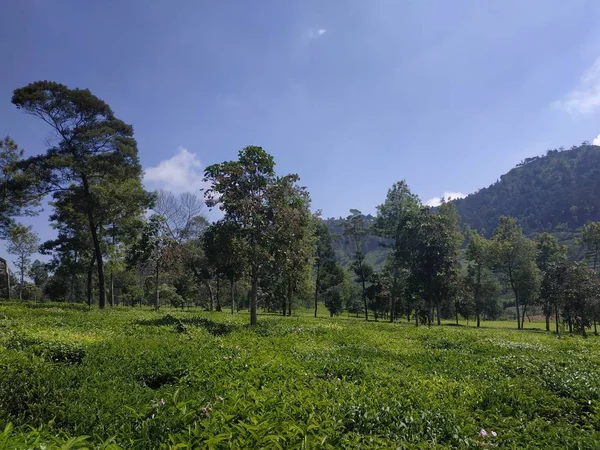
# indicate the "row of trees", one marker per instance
pixel 123 245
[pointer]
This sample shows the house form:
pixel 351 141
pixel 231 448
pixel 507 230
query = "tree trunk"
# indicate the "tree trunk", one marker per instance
pixel 112 288
pixel 523 318
pixel 439 322
pixel 232 281
pixel 317 286
pixel 218 293
pixel 547 322
pixel 518 312
pixel 478 317
pixel 595 328
pixel 556 318
pixel 99 263
pixel 456 312
pixel 156 291
pixel 253 296
pixel 89 281
pixel 22 279
pixel 364 294
pixel 290 292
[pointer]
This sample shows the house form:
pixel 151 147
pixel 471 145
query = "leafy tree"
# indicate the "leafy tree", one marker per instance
pixel 581 291
pixel 514 257
pixel 590 240
pixel 93 149
pixel 356 230
pixel 390 223
pixel 337 290
pixel 153 250
pixel 552 288
pixel 549 254
pixel 18 196
pixel 479 280
pixel 240 189
pixel 224 253
pixel 378 294
pixel 325 263
pixel 292 236
pixel 22 242
pixel 38 272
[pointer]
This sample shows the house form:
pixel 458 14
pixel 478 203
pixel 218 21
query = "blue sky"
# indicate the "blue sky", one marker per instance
pixel 352 95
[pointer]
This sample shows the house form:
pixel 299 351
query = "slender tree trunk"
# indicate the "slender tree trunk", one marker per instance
pixel 416 317
pixel 218 293
pixel 156 291
pixel 7 280
pixel 523 318
pixel 253 296
pixel 478 318
pixel 430 318
pixel 89 281
pixel 364 294
pixel 283 305
pixel 439 322
pixel 22 279
pixel 72 286
pixel 518 311
pixel 595 328
pixel 99 263
pixel 290 292
pixel 112 281
pixel 112 288
pixel 97 249
pixel 548 321
pixel 232 281
pixel 556 318
pixel 456 313
pixel 317 283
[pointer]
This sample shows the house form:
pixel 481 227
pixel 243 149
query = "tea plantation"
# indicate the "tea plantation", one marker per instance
pixel 135 379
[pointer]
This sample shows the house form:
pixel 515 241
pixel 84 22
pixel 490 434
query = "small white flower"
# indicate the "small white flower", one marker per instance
pixel 483 432
pixel 494 434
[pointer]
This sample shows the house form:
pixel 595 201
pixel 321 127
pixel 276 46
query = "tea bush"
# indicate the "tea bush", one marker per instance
pixel 73 378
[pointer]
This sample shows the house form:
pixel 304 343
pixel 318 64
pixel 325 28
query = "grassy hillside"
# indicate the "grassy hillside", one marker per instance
pixel 142 380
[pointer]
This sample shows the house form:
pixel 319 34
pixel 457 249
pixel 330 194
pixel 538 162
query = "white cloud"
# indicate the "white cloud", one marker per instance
pixel 437 201
pixel 181 173
pixel 313 33
pixel 596 141
pixel 585 98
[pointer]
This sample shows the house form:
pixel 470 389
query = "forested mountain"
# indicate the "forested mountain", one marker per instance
pixel 558 192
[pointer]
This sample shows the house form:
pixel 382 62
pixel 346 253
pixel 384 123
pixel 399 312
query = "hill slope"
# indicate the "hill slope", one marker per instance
pixel 558 192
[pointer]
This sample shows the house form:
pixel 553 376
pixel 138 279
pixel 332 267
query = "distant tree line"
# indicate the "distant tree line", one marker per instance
pixel 118 244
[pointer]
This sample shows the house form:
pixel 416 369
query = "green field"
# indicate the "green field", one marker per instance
pixel 131 378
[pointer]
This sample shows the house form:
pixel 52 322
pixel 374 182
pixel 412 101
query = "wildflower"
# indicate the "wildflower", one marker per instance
pixel 483 433
pixel 206 411
pixel 162 401
pixel 494 434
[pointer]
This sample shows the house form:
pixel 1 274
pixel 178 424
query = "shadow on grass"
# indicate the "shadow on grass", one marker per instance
pixel 182 325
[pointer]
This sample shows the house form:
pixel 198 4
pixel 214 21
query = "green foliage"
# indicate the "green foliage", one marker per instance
pixel 555 192
pixel 515 256
pixel 131 378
